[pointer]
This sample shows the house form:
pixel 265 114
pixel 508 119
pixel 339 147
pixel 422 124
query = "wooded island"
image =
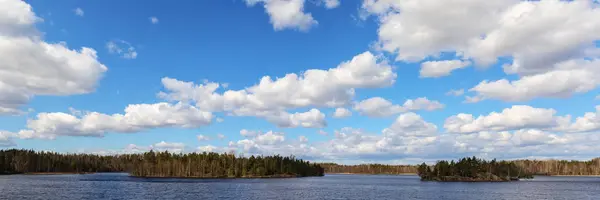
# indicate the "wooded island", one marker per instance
pixel 472 170
pixel 158 164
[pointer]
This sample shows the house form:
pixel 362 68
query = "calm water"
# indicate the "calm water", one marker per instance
pixel 121 186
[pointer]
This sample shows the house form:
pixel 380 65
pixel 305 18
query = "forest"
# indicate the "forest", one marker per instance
pixel 213 165
pixel 334 168
pixel 158 164
pixel 472 170
pixel 535 167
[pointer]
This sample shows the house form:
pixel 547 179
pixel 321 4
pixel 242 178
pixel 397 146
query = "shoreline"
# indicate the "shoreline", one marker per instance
pixel 372 173
pixel 571 175
pixel 217 177
pixel 56 173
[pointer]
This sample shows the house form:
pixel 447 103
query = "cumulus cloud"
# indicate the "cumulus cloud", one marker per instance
pixel 286 14
pixel 380 107
pixel 122 48
pixel 434 69
pixel 342 113
pixel 310 119
pixel 270 99
pixel 6 139
pixel 412 139
pixel 540 37
pixel 173 147
pixel 32 67
pixel 568 78
pixel 590 121
pixel 137 117
pixel 516 117
pixel 520 117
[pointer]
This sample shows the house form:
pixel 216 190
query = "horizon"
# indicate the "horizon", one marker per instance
pixel 346 82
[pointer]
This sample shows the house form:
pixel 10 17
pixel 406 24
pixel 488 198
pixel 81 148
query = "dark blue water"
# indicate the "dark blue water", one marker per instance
pixel 121 186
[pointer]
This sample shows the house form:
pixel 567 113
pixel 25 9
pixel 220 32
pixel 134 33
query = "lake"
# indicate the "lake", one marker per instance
pixel 121 186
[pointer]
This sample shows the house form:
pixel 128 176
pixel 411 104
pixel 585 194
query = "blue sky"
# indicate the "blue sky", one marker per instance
pixel 391 64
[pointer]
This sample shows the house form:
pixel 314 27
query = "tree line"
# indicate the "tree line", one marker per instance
pixel 158 164
pixel 536 167
pixel 368 169
pixel 472 169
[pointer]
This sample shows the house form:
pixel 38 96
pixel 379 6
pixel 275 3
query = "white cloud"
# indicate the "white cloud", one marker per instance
pixel 342 113
pixel 32 67
pixel 411 124
pixel 409 139
pixel 137 117
pixel 219 120
pixel 520 117
pixel 310 119
pixel 434 69
pixel 270 98
pixel 286 14
pixel 540 37
pixel 202 138
pixel 597 97
pixel 330 4
pixel 153 20
pixel 459 92
pixel 269 138
pixel 516 117
pixel 568 78
pixel 122 48
pixel 417 29
pixel 380 107
pixel 174 147
pixel 78 12
pixel 6 139
pixel 220 136
pixel 590 121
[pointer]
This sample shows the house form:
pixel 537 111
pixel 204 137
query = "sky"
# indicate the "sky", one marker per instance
pixel 356 81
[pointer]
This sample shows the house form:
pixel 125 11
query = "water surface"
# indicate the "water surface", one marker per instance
pixel 121 186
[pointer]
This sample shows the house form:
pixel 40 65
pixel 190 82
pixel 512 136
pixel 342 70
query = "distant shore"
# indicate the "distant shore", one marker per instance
pixel 373 173
pixel 56 173
pixel 571 175
pixel 223 177
pixel 416 174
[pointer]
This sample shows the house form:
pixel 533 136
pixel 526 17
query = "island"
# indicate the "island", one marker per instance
pixel 472 169
pixel 158 164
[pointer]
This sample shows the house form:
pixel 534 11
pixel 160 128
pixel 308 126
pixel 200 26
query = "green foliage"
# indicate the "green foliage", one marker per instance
pixel 368 169
pixel 158 164
pixel 472 169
